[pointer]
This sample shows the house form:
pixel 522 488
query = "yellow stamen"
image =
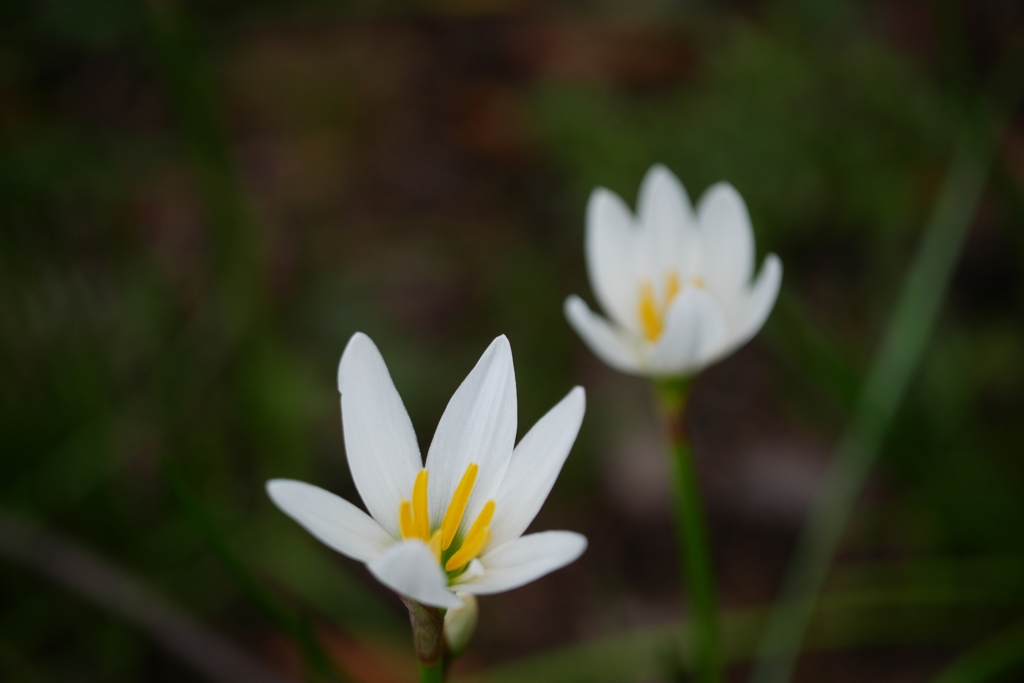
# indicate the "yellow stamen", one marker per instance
pixel 435 544
pixel 414 520
pixel 477 538
pixel 457 508
pixel 697 281
pixel 650 317
pixel 420 515
pixel 405 523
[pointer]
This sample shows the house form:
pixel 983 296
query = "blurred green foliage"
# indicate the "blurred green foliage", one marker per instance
pixel 200 202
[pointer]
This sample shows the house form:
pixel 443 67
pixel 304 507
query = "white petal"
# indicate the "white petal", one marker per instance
pixel 535 465
pixel 607 343
pixel 761 299
pixel 333 520
pixel 667 226
pixel 695 331
pixel 727 237
pixel 379 438
pixel 479 425
pixel 524 560
pixel 410 568
pixel 473 570
pixel 611 242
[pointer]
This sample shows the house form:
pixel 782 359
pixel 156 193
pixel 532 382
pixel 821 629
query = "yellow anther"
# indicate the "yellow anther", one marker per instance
pixel 457 508
pixel 405 522
pixel 468 551
pixel 420 515
pixel 477 538
pixel 650 315
pixel 697 281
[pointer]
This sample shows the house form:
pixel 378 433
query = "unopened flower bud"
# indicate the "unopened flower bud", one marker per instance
pixel 460 623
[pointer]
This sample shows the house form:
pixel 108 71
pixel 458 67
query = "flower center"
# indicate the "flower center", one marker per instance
pixel 453 553
pixel 652 312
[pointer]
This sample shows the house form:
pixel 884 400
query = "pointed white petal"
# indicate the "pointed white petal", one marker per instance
pixel 535 465
pixel 410 568
pixel 667 226
pixel 761 298
pixel 331 519
pixel 524 560
pixel 727 237
pixel 611 242
pixel 607 343
pixel 473 570
pixel 479 425
pixel 379 438
pixel 688 260
pixel 695 331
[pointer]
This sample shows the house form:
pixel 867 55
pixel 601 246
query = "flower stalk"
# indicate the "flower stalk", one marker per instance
pixel 428 639
pixel 432 673
pixel 691 533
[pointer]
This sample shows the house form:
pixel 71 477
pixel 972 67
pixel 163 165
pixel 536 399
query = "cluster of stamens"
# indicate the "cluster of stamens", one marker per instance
pixel 652 314
pixel 414 522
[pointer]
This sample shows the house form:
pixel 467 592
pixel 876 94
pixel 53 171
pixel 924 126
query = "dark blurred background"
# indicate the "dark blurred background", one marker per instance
pixel 201 201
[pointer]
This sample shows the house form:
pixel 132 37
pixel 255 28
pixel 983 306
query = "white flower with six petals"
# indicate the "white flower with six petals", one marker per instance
pixel 457 522
pixel 675 283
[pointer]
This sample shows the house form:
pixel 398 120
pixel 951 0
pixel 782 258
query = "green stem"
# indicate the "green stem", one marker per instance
pixel 428 639
pixel 432 673
pixel 691 533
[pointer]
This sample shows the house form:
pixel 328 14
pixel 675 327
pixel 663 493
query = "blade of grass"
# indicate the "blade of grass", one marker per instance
pixel 895 365
pixel 295 626
pixel 191 92
pixel 82 571
pixel 988 660
pixel 926 602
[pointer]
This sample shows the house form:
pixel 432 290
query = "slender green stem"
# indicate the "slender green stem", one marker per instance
pixel 691 533
pixel 700 583
pixel 432 673
pixel 428 639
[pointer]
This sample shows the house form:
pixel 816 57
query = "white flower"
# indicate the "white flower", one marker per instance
pixel 675 283
pixel 457 522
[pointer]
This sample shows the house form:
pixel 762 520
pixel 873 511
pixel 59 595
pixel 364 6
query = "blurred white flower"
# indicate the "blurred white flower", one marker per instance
pixel 676 284
pixel 456 523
